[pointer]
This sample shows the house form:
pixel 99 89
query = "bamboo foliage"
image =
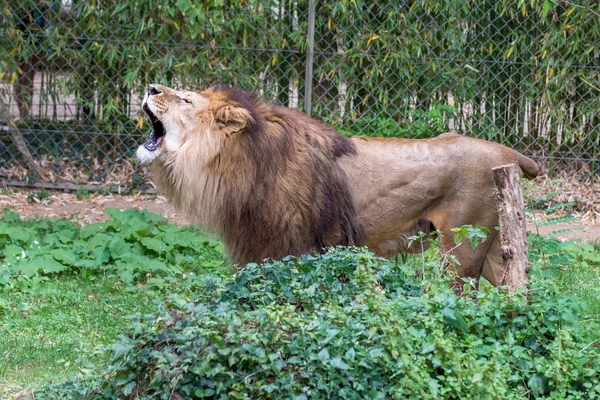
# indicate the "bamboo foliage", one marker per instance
pixel 525 73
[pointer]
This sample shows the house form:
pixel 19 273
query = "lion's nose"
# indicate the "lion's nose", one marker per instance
pixel 153 90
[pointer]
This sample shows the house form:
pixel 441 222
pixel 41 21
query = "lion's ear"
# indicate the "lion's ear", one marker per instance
pixel 231 119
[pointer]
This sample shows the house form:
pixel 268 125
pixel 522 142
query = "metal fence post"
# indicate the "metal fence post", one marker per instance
pixel 309 57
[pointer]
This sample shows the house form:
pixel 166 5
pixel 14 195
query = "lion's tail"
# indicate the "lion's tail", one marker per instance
pixel 529 167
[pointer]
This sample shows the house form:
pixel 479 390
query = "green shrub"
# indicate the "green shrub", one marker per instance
pixel 348 325
pixel 133 245
pixel 417 124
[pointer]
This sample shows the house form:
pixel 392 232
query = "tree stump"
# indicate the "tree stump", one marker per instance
pixel 513 231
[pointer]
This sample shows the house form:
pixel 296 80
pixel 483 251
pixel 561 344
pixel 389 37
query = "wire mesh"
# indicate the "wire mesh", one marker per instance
pixel 526 74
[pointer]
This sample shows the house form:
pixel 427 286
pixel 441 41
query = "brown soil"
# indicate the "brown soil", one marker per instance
pixel 587 233
pixel 84 210
pixel 88 210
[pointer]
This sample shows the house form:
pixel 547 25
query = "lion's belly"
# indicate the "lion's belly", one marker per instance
pixel 389 236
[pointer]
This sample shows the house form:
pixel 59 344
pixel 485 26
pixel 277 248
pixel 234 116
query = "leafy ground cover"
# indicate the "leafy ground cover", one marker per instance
pixel 65 290
pixel 132 245
pixel 105 312
pixel 347 325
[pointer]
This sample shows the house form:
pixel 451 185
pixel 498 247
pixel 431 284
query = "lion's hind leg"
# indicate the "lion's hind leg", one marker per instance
pixel 414 241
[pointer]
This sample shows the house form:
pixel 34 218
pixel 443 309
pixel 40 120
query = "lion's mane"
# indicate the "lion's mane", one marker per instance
pixel 272 189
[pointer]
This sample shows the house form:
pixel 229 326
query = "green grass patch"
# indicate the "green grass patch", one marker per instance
pixel 571 265
pixel 46 330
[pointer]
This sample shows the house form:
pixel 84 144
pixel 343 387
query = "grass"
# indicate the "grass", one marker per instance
pixel 45 331
pixel 51 328
pixel 572 266
pixel 52 332
pixel 583 282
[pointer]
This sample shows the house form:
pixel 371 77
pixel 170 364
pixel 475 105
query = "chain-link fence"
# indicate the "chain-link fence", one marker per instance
pixel 523 73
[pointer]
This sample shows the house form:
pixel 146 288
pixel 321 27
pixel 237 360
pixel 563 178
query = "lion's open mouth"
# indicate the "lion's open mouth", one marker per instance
pixel 158 131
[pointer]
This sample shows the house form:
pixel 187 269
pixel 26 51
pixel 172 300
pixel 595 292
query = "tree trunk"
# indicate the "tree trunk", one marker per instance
pixel 19 141
pixel 513 233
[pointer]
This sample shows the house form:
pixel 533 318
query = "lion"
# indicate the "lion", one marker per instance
pixel 273 182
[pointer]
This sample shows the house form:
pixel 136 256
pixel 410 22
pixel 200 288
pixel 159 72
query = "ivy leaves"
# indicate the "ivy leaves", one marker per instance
pixel 347 325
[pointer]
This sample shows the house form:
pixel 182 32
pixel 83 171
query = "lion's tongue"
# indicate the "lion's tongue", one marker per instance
pixel 153 142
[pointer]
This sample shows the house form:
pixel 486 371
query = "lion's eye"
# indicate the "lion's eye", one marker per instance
pixel 187 101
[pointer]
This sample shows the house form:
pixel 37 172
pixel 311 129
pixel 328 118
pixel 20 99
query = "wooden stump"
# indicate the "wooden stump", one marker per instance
pixel 513 231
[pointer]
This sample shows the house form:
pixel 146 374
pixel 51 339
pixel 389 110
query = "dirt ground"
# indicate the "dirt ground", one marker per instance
pixel 85 210
pixel 92 209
